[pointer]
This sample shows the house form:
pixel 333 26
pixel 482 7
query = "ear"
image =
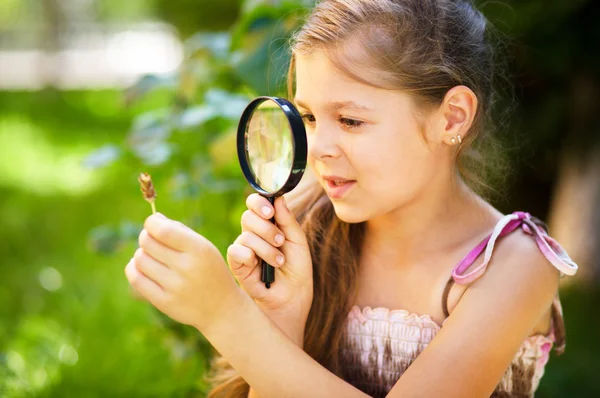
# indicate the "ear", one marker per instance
pixel 457 113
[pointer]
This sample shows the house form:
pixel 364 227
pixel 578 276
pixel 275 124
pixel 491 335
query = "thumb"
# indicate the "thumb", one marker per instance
pixel 286 221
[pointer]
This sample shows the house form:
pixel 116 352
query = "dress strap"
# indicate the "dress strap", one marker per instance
pixel 445 297
pixel 558 326
pixel 549 247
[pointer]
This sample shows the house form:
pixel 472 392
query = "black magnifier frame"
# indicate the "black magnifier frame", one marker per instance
pixel 299 157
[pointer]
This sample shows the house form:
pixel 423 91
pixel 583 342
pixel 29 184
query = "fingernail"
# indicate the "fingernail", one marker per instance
pixel 266 210
pixel 280 259
pixel 279 239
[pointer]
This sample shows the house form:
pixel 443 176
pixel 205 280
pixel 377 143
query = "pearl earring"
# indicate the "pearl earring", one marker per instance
pixel 453 140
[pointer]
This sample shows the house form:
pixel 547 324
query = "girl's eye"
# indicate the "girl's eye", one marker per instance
pixel 350 123
pixel 347 123
pixel 308 118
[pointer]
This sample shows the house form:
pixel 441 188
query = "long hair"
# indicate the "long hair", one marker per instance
pixel 423 48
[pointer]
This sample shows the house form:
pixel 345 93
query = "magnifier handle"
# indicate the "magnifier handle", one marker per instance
pixel 267 271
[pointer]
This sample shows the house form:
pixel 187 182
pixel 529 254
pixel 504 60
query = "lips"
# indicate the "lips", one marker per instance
pixel 337 182
pixel 336 178
pixel 337 187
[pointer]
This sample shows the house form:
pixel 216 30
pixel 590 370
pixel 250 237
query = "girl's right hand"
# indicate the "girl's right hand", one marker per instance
pixel 288 301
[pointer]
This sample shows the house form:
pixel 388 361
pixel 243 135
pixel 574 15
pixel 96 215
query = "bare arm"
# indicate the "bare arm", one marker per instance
pixel 467 358
pixel 294 332
pixel 268 360
pixel 472 351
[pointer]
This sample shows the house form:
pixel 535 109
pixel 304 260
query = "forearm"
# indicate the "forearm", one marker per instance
pixel 293 330
pixel 290 323
pixel 268 360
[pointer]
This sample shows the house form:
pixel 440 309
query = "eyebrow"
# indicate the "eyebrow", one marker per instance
pixel 337 105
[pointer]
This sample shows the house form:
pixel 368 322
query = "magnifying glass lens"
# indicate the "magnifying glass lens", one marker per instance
pixel 270 146
pixel 272 150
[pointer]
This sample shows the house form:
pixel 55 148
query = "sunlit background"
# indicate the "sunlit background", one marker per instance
pixel 93 92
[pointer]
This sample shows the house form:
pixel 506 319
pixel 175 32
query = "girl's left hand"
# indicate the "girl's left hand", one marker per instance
pixel 181 273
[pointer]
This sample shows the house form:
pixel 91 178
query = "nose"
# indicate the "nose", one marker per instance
pixel 323 143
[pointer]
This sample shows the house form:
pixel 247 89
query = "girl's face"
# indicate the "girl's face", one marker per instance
pixel 365 134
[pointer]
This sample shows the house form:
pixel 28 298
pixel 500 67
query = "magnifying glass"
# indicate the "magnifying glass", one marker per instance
pixel 272 150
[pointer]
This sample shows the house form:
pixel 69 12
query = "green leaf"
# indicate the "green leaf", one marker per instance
pixel 260 46
pixel 150 128
pixel 213 185
pixel 183 187
pixel 147 83
pixel 104 239
pixel 154 153
pixel 217 44
pixel 102 157
pixel 195 116
pixel 223 149
pixel 129 230
pixel 228 105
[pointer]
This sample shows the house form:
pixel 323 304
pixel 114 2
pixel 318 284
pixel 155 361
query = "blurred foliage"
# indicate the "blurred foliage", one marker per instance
pixel 69 325
pixel 207 15
pixel 75 324
pixel 190 142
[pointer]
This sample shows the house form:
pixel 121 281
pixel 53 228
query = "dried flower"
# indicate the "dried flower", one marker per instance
pixel 148 189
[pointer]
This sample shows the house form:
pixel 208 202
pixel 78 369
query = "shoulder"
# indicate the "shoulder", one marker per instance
pixel 517 257
pixel 497 311
pixel 517 285
pixel 491 320
pixel 519 269
pixel 510 298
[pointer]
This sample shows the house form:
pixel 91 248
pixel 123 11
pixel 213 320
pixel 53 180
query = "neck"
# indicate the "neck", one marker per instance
pixel 442 217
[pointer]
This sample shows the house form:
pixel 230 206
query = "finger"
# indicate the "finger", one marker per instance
pixel 262 248
pixel 242 262
pixel 239 256
pixel 265 229
pixel 157 250
pixel 168 232
pixel 179 223
pixel 260 205
pixel 144 286
pixel 247 270
pixel 287 223
pixel 152 269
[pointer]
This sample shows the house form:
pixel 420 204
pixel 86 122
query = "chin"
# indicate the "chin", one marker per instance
pixel 348 214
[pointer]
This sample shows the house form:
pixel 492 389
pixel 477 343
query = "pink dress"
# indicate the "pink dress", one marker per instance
pixel 380 344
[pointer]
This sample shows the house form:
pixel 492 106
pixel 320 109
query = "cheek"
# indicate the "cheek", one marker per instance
pixel 395 167
pixel 310 161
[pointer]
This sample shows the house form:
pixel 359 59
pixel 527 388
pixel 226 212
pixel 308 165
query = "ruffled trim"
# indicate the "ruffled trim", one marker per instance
pixel 382 343
pixel 392 316
pixel 534 343
pixel 405 317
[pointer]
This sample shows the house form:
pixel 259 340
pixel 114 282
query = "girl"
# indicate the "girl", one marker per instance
pixel 394 277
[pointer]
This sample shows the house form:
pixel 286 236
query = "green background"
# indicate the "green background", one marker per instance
pixel 70 206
